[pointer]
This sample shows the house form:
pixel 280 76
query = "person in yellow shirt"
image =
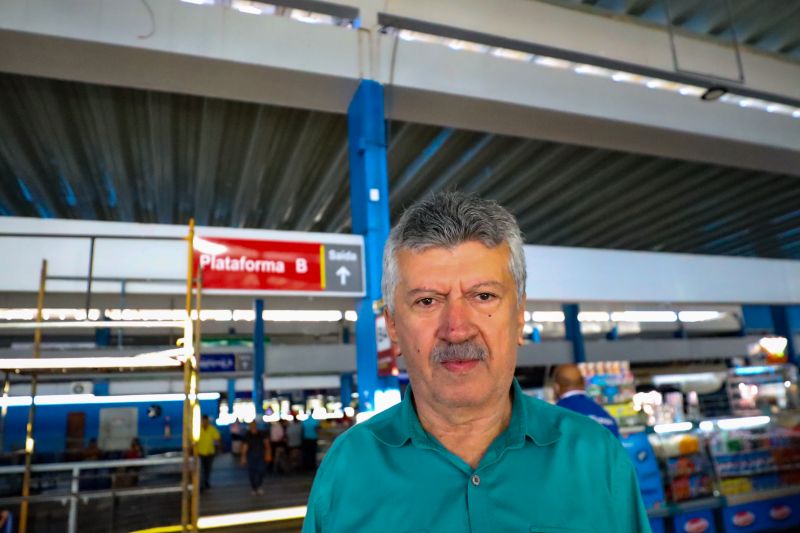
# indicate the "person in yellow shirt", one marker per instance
pixel 206 449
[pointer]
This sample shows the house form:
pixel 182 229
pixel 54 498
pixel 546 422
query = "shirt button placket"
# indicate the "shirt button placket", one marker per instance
pixel 477 499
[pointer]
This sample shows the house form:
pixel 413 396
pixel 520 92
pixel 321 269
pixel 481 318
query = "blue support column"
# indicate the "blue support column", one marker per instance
pixel 573 330
pixel 346 389
pixel 101 387
pixel 231 394
pixel 757 319
pixel 369 201
pixel 258 358
pixel 787 323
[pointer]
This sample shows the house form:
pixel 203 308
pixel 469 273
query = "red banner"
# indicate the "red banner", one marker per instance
pixel 253 265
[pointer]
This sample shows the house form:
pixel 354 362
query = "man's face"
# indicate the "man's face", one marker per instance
pixel 204 422
pixel 458 323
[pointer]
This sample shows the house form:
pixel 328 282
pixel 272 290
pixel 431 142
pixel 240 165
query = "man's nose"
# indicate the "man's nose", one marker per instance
pixel 456 322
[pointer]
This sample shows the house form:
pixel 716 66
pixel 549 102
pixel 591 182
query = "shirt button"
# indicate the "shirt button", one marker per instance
pixel 476 480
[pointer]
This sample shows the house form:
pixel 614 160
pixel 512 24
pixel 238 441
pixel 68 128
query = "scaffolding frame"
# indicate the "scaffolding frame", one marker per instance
pixel 188 364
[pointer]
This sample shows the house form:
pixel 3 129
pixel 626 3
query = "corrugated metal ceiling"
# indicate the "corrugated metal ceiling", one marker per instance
pixel 768 25
pixel 73 150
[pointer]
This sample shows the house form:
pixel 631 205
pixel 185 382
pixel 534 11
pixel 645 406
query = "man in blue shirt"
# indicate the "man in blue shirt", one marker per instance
pixel 466 450
pixel 570 389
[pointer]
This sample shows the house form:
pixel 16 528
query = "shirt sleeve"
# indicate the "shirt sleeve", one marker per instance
pixel 629 511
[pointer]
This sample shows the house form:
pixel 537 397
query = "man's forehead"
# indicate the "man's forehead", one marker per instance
pixel 487 263
pixel 475 245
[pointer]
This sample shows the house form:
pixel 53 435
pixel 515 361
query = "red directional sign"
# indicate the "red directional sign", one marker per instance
pixel 256 265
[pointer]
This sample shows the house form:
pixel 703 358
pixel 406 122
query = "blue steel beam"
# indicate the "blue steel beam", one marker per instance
pixel 756 319
pixel 463 162
pixel 346 389
pixel 573 329
pixel 231 394
pixel 258 358
pixel 369 202
pixel 409 174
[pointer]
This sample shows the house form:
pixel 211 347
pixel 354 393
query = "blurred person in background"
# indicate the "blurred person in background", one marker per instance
pixel 92 451
pixel 256 453
pixel 294 440
pixel 310 435
pixel 135 451
pixel 236 438
pixel 570 389
pixel 207 447
pixel 128 476
pixel 277 438
pixel 6 522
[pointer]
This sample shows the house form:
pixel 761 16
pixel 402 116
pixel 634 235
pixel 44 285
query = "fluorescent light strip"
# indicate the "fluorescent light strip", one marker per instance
pixel 699 316
pixel 672 428
pixel 707 426
pixel 237 519
pixel 618 76
pixel 644 316
pixel 547 316
pixel 154 318
pixel 136 318
pixel 684 379
pixel 743 423
pixel 94 324
pixel 754 370
pixel 250 10
pixel 253 517
pixel 86 399
pixel 593 316
pixel 165 360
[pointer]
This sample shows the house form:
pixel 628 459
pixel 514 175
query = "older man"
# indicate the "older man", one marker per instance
pixel 467 450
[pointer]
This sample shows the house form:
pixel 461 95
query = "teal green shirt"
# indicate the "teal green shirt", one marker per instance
pixel 551 470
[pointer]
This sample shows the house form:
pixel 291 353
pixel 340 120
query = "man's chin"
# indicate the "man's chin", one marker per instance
pixel 462 396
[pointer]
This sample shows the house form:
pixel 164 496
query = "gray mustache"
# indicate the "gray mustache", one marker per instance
pixel 465 351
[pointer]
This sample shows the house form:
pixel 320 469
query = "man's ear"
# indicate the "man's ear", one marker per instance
pixel 521 320
pixel 390 325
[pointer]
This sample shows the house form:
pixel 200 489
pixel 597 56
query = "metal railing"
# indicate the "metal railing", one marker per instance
pixel 74 495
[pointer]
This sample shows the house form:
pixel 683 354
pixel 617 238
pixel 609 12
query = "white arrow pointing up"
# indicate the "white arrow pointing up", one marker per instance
pixel 343 273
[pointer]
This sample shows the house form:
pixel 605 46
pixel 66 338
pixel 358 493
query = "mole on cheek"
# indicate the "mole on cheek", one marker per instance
pixel 490 316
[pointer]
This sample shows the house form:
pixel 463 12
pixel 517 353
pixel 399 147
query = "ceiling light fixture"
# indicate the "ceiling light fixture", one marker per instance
pixel 714 93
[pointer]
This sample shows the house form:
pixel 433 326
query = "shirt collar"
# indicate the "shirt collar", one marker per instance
pixel 528 419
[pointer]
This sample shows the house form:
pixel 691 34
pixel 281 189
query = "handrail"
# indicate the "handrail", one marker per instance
pixel 75 493
pixel 93 495
pixel 89 465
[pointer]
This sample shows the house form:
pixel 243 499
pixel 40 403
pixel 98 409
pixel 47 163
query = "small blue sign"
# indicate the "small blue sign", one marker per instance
pixel 218 362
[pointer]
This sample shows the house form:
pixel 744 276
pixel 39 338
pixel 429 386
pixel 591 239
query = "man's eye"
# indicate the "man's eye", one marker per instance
pixel 425 302
pixel 485 296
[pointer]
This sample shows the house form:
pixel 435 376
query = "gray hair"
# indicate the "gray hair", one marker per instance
pixel 446 220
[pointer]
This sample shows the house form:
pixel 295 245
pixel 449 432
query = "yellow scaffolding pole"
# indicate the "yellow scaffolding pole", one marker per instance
pixel 37 350
pixel 196 405
pixel 187 492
